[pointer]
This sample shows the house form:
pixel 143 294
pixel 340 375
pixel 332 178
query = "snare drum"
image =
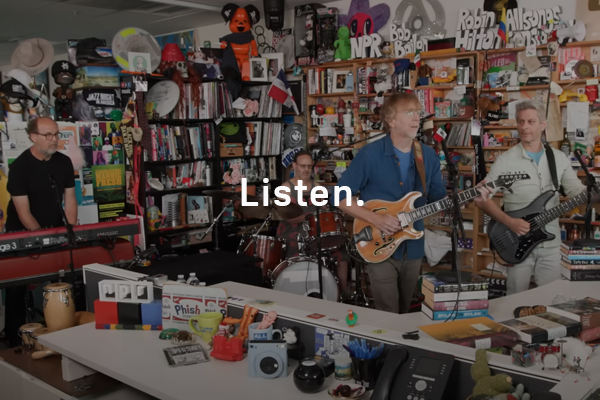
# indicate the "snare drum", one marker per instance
pixel 544 349
pixel 36 335
pixel 270 249
pixel 26 331
pixel 299 275
pixel 59 306
pixel 333 232
pixel 555 348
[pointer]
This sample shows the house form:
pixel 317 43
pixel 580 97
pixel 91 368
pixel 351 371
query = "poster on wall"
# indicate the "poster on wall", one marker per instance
pixel 109 183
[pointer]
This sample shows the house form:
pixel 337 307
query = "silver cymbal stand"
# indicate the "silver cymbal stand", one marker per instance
pixel 202 235
pixel 255 234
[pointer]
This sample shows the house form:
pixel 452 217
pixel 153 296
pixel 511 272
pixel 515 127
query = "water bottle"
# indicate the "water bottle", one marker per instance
pixel 202 284
pixel 181 279
pixel 559 299
pixel 192 280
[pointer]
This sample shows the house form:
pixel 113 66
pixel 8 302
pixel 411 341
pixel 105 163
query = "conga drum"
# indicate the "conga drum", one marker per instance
pixel 26 331
pixel 59 306
pixel 36 335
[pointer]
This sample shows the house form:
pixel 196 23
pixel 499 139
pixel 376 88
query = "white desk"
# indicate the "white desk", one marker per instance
pixel 135 357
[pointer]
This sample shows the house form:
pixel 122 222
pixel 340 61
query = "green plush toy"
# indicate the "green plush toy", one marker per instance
pixel 518 394
pixel 486 384
pixel 342 45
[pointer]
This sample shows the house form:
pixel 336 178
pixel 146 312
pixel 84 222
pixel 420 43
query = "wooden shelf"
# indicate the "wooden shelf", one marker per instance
pixel 498 148
pixel 442 87
pixel 500 127
pixel 460 147
pixel 373 95
pixel 514 49
pixel 521 88
pixel 332 94
pixel 465 168
pixel 574 81
pixel 450 119
pixel 576 222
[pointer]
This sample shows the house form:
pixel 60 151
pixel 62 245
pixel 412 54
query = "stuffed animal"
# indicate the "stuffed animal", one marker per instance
pixel 518 394
pixel 240 43
pixel 485 104
pixel 64 74
pixel 342 45
pixel 384 80
pixel 485 383
pixel 308 39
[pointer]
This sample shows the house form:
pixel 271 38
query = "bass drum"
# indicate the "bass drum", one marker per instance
pixel 299 275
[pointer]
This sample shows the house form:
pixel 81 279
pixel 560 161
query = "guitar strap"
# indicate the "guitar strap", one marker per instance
pixel 420 163
pixel 552 165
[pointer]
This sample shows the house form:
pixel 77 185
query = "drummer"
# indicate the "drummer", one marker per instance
pixel 290 229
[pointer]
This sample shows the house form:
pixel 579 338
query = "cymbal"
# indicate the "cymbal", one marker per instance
pixel 278 213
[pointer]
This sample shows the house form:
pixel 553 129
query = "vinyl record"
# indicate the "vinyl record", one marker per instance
pixel 166 96
pixel 293 136
pixel 135 40
pixel 497 5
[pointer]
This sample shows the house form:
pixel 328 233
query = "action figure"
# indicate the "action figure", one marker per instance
pixel 342 45
pixel 308 39
pixel 328 35
pixel 64 74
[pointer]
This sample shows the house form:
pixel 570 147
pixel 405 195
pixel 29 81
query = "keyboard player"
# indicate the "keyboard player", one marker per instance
pixel 33 201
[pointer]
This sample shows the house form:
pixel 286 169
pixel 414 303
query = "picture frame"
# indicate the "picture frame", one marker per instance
pixel 274 64
pixel 339 81
pixel 258 70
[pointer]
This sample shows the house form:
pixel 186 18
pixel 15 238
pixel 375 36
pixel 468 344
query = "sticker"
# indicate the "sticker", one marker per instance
pixel 330 344
pixel 263 302
pixel 595 54
pixel 460 89
pixel 315 316
pixel 484 343
pixel 530 50
pixel 592 81
pixel 333 319
pixel 219 120
pixel 379 331
pixel 481 327
pixel 513 88
pixel 340 164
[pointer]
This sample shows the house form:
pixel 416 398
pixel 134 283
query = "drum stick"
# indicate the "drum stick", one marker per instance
pixel 38 355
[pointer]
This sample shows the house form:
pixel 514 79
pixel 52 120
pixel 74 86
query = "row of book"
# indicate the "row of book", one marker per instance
pixel 579 263
pixel 441 298
pixel 180 209
pixel 254 169
pixel 171 143
pixel 184 175
pixel 327 80
pixel 427 98
pixel 266 138
pixel 459 135
pixel 215 102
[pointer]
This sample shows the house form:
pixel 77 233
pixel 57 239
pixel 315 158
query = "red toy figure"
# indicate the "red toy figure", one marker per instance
pixel 240 43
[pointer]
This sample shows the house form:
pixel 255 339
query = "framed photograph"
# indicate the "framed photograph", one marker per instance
pixel 274 64
pixel 339 81
pixel 258 70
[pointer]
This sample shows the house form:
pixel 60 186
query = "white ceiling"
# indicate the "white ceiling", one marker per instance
pixel 60 20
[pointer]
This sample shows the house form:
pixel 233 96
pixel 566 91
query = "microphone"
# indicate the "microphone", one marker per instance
pixel 577 153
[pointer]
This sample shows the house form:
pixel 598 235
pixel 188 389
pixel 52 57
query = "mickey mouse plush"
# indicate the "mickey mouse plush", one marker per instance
pixel 240 42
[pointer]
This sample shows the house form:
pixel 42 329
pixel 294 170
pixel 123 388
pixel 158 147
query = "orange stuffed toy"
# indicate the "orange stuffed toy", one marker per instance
pixel 239 44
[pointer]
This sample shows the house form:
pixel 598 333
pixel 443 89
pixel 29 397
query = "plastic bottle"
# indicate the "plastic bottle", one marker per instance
pixel 192 280
pixel 563 233
pixel 559 299
pixel 202 284
pixel 181 279
pixel 597 233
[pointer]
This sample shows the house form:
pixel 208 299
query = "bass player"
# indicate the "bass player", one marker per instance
pixel 388 169
pixel 531 157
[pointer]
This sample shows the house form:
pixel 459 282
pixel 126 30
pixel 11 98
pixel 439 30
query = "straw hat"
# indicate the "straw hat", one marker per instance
pixel 33 56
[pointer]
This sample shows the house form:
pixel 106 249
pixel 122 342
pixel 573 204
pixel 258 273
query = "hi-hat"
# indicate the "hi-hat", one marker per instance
pixel 278 213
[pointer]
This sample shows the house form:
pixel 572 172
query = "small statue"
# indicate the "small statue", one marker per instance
pixel 342 45
pixel 387 49
pixel 64 74
pixel 268 320
pixel 14 98
pixel 308 39
pixel 328 35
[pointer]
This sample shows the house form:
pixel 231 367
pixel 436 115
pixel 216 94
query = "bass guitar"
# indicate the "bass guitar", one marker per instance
pixel 513 248
pixel 374 246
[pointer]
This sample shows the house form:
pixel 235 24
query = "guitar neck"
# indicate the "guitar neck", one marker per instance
pixel 555 212
pixel 445 204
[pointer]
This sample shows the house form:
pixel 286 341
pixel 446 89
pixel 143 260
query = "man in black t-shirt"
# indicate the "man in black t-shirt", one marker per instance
pixel 33 201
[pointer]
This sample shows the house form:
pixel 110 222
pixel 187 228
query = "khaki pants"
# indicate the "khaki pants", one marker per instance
pixel 393 284
pixel 542 263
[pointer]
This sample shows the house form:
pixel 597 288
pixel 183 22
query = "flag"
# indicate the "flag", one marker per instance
pixel 502 26
pixel 440 135
pixel 417 59
pixel 280 90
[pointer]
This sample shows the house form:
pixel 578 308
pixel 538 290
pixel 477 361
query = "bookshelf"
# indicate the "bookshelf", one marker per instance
pixel 187 151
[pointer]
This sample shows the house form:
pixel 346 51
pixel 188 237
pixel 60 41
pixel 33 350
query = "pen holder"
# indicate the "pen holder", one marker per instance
pixel 365 372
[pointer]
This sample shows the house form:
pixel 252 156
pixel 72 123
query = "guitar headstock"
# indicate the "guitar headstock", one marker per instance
pixel 507 180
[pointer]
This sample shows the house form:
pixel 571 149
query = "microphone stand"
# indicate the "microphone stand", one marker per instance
pixel 319 260
pixel 588 240
pixel 68 226
pixel 202 235
pixel 457 223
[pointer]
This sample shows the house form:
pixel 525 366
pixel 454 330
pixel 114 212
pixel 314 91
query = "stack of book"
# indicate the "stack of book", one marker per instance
pixel 441 298
pixel 545 327
pixel 479 333
pixel 586 311
pixel 580 263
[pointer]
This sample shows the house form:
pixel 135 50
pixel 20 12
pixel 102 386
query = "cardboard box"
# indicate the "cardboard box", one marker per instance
pixel 180 302
pixel 232 150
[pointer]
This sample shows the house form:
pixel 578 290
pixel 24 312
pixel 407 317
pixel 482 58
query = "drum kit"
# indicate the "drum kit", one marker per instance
pixel 313 271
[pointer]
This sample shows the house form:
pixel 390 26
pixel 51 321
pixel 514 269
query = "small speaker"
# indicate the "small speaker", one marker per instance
pixel 274 14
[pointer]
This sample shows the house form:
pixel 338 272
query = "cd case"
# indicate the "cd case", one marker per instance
pixel 186 355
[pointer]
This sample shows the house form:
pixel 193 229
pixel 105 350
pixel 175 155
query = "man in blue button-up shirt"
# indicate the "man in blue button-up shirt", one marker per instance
pixel 386 170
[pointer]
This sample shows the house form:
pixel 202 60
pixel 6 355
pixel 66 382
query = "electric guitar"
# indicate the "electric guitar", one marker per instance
pixel 375 247
pixel 513 248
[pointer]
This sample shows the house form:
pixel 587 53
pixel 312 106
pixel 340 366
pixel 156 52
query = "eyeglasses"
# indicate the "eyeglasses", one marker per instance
pixel 411 114
pixel 303 166
pixel 49 136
